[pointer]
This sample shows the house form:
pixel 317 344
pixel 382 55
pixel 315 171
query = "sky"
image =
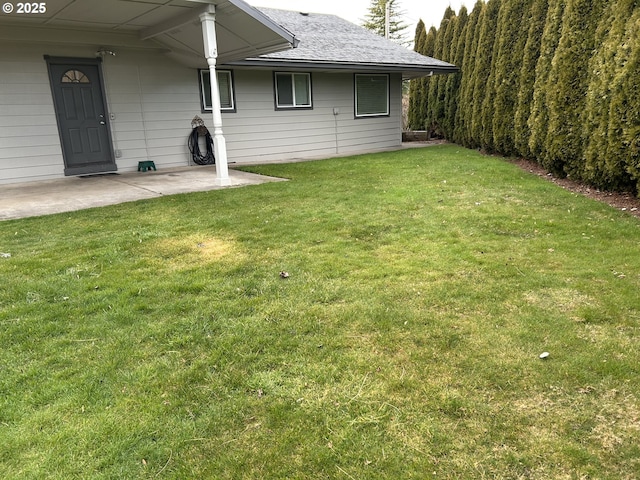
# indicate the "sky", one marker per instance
pixel 430 11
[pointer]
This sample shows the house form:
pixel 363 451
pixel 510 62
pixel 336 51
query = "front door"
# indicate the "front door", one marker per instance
pixel 82 115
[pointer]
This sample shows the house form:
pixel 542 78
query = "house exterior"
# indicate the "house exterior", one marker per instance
pixel 93 86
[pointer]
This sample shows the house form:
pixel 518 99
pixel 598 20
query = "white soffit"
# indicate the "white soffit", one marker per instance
pixel 242 31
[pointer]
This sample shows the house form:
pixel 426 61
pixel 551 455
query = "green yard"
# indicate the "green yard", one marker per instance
pixel 157 339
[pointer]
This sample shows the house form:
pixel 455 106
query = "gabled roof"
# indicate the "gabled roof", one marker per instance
pixel 330 42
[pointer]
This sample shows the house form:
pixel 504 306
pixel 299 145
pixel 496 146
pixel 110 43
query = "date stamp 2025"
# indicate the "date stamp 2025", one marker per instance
pixel 27 8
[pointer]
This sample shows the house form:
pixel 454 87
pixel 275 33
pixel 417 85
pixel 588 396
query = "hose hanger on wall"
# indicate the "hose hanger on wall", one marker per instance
pixel 198 129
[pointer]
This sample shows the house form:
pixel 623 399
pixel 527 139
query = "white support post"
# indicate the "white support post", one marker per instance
pixel 208 20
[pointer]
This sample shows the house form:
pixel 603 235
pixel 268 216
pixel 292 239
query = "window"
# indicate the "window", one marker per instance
pixel 74 76
pixel 372 95
pixel 225 86
pixel 293 90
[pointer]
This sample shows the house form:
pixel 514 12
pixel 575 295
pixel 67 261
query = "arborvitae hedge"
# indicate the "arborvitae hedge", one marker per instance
pixel 435 96
pixel 513 20
pixel 462 127
pixel 452 86
pixel 482 67
pixel 429 50
pixel 557 81
pixel 415 97
pixel 624 119
pixel 569 74
pixel 539 119
pixel 605 66
pixel 430 42
pixel 521 130
pixel 487 115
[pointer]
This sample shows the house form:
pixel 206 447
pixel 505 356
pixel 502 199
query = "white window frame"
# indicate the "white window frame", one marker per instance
pixel 294 104
pixel 205 83
pixel 384 113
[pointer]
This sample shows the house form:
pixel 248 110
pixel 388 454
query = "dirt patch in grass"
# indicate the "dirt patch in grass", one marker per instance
pixel 565 300
pixel 625 201
pixel 618 421
pixel 184 252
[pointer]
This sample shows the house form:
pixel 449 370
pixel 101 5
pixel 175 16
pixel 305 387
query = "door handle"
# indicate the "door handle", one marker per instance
pixel 102 123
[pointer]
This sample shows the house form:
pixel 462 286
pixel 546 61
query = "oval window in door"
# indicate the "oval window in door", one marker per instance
pixel 74 76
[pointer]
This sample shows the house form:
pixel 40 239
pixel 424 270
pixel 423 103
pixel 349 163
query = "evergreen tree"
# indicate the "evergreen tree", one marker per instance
pixel 430 43
pixel 521 130
pixel 607 63
pixel 441 52
pixel 578 115
pixel 448 50
pixel 375 20
pixel 514 25
pixel 415 92
pixel 539 119
pixel 462 131
pixel 485 76
pixel 429 51
pixel 481 71
pixel 452 85
pixel 568 86
pixel 624 116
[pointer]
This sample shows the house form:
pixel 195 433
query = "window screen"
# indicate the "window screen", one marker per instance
pixel 225 86
pixel 372 95
pixel 293 90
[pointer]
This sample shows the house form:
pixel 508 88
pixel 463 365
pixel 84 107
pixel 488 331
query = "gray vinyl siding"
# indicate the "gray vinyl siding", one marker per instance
pixel 29 140
pixel 153 101
pixel 259 133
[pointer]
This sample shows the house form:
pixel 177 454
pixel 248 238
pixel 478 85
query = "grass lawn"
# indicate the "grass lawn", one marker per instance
pixel 157 339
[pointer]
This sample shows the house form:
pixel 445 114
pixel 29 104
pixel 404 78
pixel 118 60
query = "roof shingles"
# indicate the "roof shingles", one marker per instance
pixel 330 40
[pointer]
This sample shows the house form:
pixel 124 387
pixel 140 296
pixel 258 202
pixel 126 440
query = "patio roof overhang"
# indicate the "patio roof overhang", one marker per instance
pixel 171 25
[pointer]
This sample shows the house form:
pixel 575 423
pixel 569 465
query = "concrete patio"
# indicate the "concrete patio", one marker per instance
pixel 21 200
pixel 31 199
